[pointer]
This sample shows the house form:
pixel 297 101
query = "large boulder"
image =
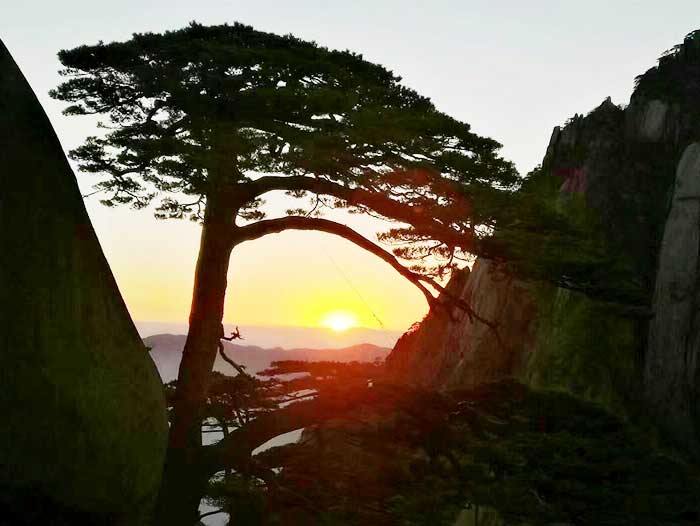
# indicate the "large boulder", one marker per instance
pixel 83 423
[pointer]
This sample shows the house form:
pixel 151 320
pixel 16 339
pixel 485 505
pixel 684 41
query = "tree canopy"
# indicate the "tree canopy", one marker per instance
pixel 207 110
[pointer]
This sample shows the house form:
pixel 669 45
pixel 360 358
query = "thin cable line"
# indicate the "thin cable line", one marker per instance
pixel 389 340
pixel 355 290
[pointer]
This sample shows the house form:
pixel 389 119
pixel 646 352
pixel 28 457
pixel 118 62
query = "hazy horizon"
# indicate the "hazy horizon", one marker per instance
pixel 285 336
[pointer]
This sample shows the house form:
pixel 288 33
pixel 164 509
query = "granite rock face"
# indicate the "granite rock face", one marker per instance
pixel 640 168
pixel 649 121
pixel 636 348
pixel 83 423
pixel 450 350
pixel 672 366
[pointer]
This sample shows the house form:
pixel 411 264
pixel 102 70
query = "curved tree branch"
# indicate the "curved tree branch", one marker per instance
pixel 275 226
pixel 236 366
pixel 459 302
pixel 234 451
pixel 464 305
pixel 210 513
pixel 376 201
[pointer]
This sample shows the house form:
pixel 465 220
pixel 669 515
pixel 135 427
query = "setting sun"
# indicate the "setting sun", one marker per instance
pixel 339 320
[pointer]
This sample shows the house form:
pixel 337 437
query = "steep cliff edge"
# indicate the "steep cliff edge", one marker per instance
pixel 450 350
pixel 632 341
pixel 672 365
pixel 83 423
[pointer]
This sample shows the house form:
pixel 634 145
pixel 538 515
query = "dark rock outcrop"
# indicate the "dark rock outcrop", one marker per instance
pixel 83 423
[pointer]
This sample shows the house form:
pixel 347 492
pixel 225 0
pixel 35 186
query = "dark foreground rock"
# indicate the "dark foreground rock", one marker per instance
pixel 82 412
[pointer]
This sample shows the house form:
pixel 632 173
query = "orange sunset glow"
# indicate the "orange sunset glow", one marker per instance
pixel 307 285
pixel 339 320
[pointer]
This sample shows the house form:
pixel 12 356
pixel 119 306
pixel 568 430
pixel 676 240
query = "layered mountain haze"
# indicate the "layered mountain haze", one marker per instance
pixel 286 336
pixel 166 352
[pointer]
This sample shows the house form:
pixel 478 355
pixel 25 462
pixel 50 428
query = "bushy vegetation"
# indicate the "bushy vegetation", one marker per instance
pixel 587 348
pixel 502 452
pixel 677 73
pixel 527 457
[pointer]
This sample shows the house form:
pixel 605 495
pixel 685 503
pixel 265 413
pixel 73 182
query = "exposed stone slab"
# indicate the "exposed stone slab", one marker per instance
pixel 654 122
pixel 553 139
pixel 450 350
pixel 648 120
pixel 671 371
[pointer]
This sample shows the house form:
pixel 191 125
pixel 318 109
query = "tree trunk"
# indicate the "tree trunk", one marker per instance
pixel 184 480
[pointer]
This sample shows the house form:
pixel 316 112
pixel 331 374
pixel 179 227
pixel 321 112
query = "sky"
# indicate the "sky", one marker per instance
pixel 512 69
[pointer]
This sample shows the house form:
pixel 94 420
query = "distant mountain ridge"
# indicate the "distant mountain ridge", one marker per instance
pixel 289 337
pixel 166 351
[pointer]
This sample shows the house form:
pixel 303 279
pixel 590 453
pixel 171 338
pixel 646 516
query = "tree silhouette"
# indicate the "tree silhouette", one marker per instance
pixel 205 121
pixel 249 410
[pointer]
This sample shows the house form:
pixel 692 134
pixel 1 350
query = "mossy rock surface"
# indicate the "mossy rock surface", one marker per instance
pixel 585 347
pixel 82 405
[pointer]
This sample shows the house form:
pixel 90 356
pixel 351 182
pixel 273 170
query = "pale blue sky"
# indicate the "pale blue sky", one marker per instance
pixel 513 69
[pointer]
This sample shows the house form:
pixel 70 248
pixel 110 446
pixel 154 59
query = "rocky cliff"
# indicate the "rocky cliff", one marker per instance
pixel 83 424
pixel 633 345
pixel 449 349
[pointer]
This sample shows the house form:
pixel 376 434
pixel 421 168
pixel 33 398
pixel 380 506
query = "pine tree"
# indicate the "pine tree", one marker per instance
pixel 205 121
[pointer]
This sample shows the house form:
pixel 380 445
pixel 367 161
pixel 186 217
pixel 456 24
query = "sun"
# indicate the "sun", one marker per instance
pixel 339 320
